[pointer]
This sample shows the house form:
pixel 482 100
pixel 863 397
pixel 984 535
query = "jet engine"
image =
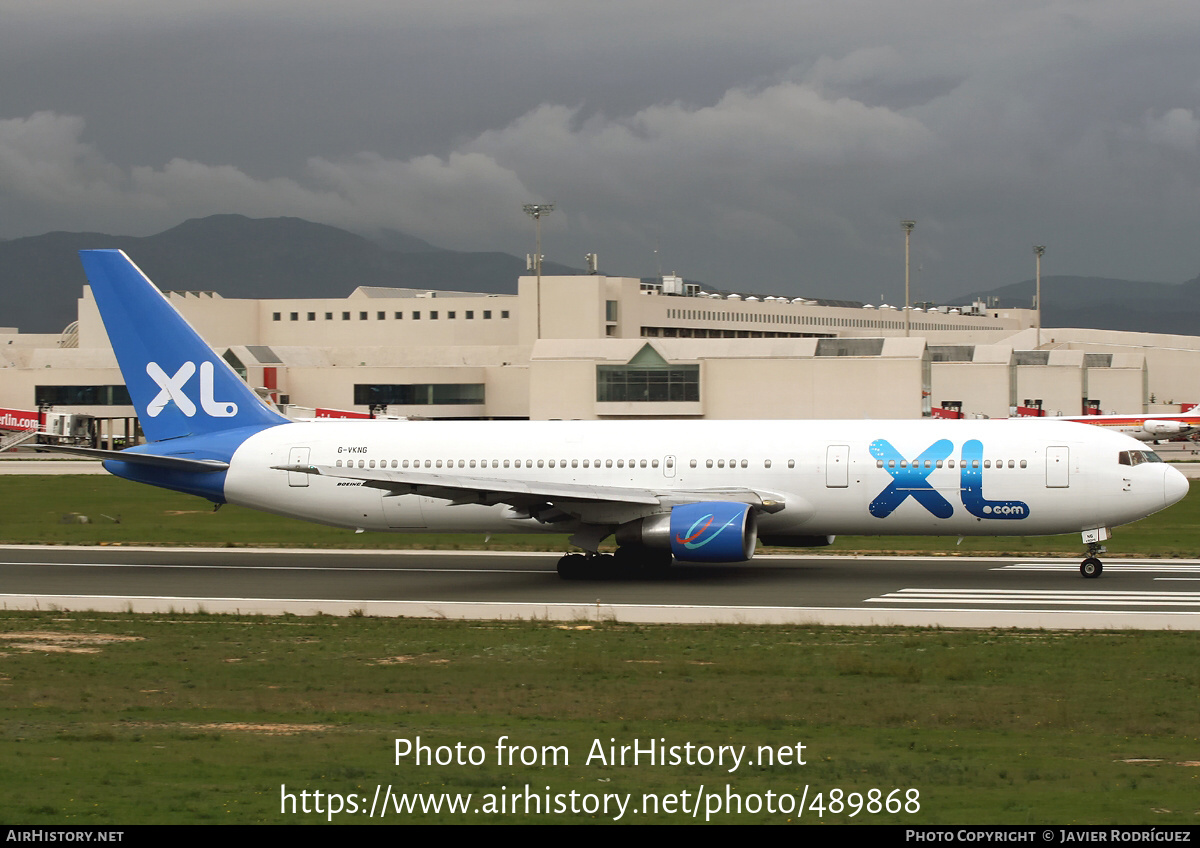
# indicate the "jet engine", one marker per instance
pixel 719 531
pixel 1163 429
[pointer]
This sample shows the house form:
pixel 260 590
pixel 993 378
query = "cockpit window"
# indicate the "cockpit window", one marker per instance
pixel 1137 457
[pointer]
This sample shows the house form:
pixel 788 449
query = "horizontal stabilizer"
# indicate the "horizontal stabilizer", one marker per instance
pixel 175 463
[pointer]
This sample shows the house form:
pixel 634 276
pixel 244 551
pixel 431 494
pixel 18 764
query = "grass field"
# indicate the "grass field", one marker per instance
pixel 205 719
pixel 42 510
pixel 122 719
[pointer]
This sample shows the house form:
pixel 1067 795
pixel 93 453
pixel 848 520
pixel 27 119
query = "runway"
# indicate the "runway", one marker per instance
pixel 910 591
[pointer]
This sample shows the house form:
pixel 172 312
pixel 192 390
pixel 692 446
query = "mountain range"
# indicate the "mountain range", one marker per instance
pixel 41 278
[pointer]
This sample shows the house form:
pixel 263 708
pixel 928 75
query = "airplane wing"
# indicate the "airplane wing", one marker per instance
pixel 587 503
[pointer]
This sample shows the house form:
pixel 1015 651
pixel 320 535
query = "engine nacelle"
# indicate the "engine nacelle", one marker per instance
pixel 718 531
pixel 1162 428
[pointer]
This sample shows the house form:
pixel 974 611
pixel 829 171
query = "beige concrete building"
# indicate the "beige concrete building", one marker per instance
pixel 593 346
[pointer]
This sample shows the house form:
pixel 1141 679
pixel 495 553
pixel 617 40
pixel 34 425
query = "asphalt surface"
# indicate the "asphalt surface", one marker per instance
pixel 944 591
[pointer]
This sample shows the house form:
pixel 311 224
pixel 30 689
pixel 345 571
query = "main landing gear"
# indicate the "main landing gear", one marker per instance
pixel 627 562
pixel 1092 567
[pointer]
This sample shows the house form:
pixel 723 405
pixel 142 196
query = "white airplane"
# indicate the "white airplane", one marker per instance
pixel 1144 428
pixel 694 491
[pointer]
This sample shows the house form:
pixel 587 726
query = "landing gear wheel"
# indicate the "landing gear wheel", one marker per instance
pixel 1091 567
pixel 574 567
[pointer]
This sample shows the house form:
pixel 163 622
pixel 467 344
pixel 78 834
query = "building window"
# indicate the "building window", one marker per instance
pixel 487 314
pixel 418 394
pixel 362 316
pixel 610 310
pixel 81 396
pixel 328 316
pixel 416 316
pixel 312 316
pixel 470 314
pixel 275 316
pixel 433 315
pixel 399 316
pixel 345 316
pixel 450 315
pixel 504 314
pixel 295 316
pixel 380 316
pixel 653 384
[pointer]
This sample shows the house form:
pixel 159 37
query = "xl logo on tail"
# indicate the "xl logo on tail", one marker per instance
pixel 171 389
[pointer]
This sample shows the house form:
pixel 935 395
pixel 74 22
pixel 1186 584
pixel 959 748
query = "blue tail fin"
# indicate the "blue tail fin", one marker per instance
pixel 178 385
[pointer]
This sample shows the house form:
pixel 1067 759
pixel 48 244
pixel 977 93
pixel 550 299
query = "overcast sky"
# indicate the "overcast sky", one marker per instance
pixel 765 145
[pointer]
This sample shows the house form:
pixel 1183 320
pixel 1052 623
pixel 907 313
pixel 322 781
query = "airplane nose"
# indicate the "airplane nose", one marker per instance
pixel 1175 485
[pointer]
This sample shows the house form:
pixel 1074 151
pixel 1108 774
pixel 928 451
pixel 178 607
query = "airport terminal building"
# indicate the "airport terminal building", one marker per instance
pixel 601 347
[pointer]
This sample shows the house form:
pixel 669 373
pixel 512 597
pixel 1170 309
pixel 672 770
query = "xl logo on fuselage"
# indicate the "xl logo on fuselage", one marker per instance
pixel 910 479
pixel 171 389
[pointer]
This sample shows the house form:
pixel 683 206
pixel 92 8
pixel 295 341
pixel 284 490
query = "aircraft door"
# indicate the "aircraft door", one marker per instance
pixel 1058 467
pixel 298 456
pixel 837 466
pixel 668 466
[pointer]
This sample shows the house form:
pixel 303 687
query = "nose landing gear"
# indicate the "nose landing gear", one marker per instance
pixel 1092 567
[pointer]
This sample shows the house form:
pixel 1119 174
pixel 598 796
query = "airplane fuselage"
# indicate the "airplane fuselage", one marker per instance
pixel 1145 428
pixel 833 477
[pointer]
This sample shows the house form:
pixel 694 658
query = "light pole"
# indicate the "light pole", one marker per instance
pixel 908 228
pixel 536 211
pixel 1038 250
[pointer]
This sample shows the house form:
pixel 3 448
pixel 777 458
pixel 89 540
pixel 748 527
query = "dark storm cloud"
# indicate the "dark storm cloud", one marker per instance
pixel 769 146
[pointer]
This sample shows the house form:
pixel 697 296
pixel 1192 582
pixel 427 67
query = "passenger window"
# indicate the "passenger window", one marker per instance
pixel 766 463
pixel 791 463
pixel 745 463
pixel 939 463
pixel 1024 463
pixel 708 463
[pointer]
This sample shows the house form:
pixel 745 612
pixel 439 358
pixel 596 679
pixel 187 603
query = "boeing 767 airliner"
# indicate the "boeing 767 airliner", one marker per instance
pixel 693 491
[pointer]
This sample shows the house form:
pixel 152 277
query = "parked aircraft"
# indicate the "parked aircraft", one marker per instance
pixel 695 491
pixel 1145 428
